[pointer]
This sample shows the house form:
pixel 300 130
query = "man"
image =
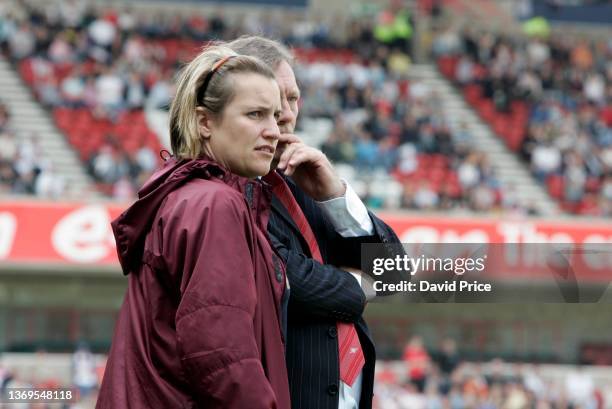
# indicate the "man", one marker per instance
pixel 330 354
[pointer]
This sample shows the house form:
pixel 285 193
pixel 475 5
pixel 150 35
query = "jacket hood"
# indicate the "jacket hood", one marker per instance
pixel 132 226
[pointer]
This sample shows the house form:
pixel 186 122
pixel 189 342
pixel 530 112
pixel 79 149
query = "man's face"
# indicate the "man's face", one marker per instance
pixel 290 96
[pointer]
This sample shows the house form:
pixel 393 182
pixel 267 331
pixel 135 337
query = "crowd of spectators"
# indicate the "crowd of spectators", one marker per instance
pixel 423 378
pixel 119 172
pixel 24 168
pixel 103 62
pixel 112 61
pixel 384 122
pixel 441 379
pixel 566 83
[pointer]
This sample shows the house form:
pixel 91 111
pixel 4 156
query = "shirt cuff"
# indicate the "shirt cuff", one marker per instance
pixel 348 214
pixel 367 286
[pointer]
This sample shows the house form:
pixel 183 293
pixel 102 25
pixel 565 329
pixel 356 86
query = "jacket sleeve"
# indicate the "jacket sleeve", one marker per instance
pixel 208 239
pixel 338 250
pixel 347 251
pixel 319 289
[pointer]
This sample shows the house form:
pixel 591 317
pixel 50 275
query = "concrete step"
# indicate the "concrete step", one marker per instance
pixel 43 127
pixel 11 90
pixel 25 110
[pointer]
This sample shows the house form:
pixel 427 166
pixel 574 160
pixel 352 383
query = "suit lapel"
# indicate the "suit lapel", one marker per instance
pixel 278 207
pixel 282 212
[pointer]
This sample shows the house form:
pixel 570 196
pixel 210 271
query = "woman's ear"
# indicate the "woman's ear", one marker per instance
pixel 204 122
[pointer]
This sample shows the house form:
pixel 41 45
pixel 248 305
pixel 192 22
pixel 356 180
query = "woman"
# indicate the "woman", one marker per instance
pixel 199 327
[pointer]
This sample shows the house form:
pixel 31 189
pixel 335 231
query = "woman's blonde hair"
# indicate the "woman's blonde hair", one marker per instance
pixel 207 77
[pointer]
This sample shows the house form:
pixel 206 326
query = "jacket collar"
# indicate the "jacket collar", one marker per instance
pixel 132 226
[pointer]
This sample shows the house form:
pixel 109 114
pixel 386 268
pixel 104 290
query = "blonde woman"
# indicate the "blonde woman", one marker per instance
pixel 199 327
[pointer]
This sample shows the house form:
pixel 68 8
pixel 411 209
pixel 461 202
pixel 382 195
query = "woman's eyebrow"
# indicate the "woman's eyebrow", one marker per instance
pixel 259 107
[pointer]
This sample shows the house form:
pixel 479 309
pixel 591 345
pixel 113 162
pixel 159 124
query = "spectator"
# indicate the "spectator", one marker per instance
pixel 447 360
pixel 72 90
pixel 60 50
pixel 580 388
pixel 4 118
pixel 83 370
pixel 408 159
pixel 417 360
pixel 339 146
pixel 105 167
pixel 366 151
pixel 160 95
pixel 22 42
pixel 135 92
pixel 48 184
pixel 425 198
pixel 109 91
pixel 469 172
pixel 102 32
pixel 8 177
pixel 8 146
pixel 48 91
pixel 545 160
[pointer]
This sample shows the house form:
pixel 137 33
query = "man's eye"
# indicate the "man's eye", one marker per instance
pixel 292 99
pixel 254 114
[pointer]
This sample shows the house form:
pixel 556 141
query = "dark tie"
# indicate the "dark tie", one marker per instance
pixel 349 348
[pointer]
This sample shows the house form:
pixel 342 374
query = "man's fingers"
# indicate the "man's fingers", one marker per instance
pixel 289 138
pixel 286 155
pixel 300 156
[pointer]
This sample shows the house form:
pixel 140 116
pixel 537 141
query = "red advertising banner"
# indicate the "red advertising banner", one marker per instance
pixel 44 233
pixel 57 233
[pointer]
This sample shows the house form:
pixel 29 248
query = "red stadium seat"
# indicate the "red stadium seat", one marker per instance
pixel 472 93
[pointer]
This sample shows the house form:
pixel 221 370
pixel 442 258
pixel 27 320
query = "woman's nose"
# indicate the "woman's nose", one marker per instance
pixel 271 131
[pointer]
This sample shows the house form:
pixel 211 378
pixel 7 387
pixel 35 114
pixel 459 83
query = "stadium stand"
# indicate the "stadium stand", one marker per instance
pixel 550 100
pixel 100 73
pixel 24 169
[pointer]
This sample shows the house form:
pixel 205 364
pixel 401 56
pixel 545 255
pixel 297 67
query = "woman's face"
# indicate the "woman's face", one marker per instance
pixel 243 138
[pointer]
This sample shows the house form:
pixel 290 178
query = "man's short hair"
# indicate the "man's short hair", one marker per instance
pixel 269 51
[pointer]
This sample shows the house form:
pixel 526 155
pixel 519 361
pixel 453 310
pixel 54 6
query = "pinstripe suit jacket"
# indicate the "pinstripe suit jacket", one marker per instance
pixel 321 295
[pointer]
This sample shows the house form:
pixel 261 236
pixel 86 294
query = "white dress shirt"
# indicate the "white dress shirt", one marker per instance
pixel 350 218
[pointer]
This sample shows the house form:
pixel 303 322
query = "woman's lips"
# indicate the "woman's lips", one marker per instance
pixel 266 148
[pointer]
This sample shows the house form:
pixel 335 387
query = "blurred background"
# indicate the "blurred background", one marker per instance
pixel 455 120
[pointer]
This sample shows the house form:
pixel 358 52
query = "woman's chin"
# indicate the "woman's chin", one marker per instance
pixel 256 171
pixel 264 168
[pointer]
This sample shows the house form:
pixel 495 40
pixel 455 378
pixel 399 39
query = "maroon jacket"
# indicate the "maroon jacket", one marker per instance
pixel 200 323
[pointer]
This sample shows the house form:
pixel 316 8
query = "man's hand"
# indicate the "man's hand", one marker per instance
pixel 310 169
